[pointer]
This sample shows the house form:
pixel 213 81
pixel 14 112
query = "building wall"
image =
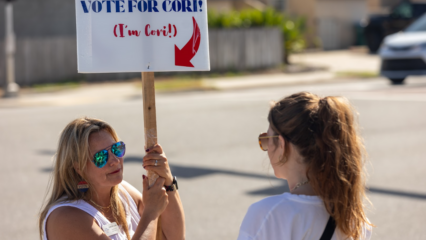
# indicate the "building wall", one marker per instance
pixel 331 23
pixel 350 10
pixel 374 6
pixel 307 9
pixel 41 18
pixel 220 6
pixel 301 7
pixel 229 5
pixel 54 59
pixel 384 6
pixel 336 22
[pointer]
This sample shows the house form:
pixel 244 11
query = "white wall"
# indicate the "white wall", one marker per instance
pixel 350 10
pixel 336 20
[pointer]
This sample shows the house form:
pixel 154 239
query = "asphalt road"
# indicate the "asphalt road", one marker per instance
pixel 211 141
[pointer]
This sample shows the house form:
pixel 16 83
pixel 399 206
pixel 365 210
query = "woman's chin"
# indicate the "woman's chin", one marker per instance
pixel 115 179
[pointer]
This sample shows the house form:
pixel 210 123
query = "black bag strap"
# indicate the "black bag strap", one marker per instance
pixel 329 229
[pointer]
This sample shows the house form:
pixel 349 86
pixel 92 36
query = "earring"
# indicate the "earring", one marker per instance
pixel 83 186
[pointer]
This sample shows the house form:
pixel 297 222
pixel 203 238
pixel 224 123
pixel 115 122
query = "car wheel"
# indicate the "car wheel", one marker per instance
pixel 397 81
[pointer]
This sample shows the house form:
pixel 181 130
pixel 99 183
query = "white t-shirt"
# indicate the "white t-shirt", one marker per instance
pixel 288 217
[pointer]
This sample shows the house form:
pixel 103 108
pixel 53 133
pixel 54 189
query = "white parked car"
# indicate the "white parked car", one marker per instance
pixel 404 53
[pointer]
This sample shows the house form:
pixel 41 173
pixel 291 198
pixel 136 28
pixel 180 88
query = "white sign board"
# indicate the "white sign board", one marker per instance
pixel 142 35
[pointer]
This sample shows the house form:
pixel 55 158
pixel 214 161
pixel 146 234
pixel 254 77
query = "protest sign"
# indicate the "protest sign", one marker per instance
pixel 142 35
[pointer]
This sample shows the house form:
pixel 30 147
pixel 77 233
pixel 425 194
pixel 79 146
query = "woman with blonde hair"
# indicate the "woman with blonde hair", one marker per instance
pixel 313 143
pixel 90 200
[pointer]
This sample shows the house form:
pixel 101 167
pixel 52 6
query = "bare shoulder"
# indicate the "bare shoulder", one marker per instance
pixel 72 223
pixel 134 193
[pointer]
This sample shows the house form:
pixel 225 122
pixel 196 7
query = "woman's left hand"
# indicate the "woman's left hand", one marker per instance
pixel 155 160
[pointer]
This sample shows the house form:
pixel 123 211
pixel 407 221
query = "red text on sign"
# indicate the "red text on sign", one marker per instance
pixel 169 31
pixel 121 31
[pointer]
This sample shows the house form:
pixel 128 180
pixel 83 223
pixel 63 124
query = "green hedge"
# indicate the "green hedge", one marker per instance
pixel 292 28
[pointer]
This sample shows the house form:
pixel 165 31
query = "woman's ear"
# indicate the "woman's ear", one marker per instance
pixel 281 143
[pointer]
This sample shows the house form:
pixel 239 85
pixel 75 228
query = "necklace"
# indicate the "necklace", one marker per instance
pixel 102 208
pixel 300 184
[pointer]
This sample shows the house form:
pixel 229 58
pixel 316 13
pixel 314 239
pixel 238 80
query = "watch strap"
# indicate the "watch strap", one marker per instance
pixel 173 186
pixel 170 188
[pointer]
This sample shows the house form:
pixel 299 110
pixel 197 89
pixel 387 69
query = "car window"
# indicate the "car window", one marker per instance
pixel 418 26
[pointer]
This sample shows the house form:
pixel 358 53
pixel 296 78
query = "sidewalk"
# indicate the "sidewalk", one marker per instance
pixel 340 61
pixel 331 62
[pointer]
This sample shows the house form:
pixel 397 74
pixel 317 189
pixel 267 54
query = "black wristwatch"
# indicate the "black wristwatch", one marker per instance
pixel 173 186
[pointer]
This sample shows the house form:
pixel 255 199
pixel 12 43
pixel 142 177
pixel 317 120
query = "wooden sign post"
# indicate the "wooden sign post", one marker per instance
pixel 150 125
pixel 149 115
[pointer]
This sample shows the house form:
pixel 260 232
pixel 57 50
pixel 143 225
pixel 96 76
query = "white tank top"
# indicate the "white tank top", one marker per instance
pixel 132 214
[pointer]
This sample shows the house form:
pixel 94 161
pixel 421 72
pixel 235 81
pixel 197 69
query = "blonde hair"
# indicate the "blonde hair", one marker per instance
pixel 324 132
pixel 73 150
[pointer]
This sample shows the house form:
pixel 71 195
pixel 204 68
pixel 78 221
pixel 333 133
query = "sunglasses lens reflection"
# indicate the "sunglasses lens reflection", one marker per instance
pixel 118 149
pixel 100 158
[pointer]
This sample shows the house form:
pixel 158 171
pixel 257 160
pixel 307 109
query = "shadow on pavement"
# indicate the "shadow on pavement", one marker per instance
pixel 396 193
pixel 187 172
